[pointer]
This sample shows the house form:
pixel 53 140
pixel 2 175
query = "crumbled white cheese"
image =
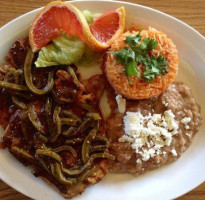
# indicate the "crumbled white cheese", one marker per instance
pixel 188 134
pixel 187 127
pixel 139 161
pixel 165 103
pixel 126 138
pixel 148 134
pixel 174 153
pixel 121 103
pixel 172 124
pixel 185 120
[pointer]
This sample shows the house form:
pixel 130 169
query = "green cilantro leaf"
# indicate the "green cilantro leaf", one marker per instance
pixel 133 40
pixel 154 66
pixel 138 54
pixel 162 62
pixel 146 46
pixel 126 57
pixel 123 56
pixel 131 69
pixel 152 45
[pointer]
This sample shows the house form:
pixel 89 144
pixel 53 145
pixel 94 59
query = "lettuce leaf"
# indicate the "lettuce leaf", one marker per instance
pixel 88 57
pixel 64 50
pixel 90 16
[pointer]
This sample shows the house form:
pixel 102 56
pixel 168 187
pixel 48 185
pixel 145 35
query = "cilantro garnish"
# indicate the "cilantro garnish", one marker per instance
pixel 138 54
pixel 126 57
pixel 133 40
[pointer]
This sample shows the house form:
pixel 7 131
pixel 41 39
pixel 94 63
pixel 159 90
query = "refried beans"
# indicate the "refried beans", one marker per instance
pixel 177 98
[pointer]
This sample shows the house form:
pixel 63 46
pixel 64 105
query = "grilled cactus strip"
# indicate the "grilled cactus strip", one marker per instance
pixel 87 107
pixel 42 137
pixel 23 154
pixel 88 164
pixel 68 121
pixel 48 110
pixel 86 145
pixel 74 141
pixel 12 86
pixel 95 116
pixel 29 78
pixel 18 102
pixel 73 74
pixel 32 115
pixel 57 121
pixel 18 76
pixel 65 148
pixel 86 174
pixel 49 153
pixel 69 132
pixel 58 174
pixel 71 115
pixel 102 139
pixel 97 148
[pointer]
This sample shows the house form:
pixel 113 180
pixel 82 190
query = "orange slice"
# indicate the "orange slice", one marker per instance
pixel 60 16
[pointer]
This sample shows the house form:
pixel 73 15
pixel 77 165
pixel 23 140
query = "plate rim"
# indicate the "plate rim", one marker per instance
pixel 113 1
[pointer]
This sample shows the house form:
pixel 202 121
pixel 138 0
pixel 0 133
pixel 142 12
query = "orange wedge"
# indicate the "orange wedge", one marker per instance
pixel 60 16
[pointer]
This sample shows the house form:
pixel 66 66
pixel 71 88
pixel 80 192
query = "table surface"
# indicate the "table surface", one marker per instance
pixel 191 12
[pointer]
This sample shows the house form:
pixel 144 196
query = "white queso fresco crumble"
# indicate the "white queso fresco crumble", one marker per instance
pixel 185 121
pixel 149 134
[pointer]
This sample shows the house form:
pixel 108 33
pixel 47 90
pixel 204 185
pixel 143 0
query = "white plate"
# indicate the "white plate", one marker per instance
pixel 167 182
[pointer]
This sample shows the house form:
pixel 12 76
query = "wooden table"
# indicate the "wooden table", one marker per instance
pixel 190 11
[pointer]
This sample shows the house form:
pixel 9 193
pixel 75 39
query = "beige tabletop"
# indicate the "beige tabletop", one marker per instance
pixel 190 11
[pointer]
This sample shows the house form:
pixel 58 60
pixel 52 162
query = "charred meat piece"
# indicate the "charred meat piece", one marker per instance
pixel 59 134
pixel 17 54
pixel 95 85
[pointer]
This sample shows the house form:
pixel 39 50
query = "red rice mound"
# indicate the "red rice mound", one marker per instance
pixel 139 88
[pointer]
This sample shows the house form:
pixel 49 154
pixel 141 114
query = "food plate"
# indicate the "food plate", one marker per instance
pixel 167 182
